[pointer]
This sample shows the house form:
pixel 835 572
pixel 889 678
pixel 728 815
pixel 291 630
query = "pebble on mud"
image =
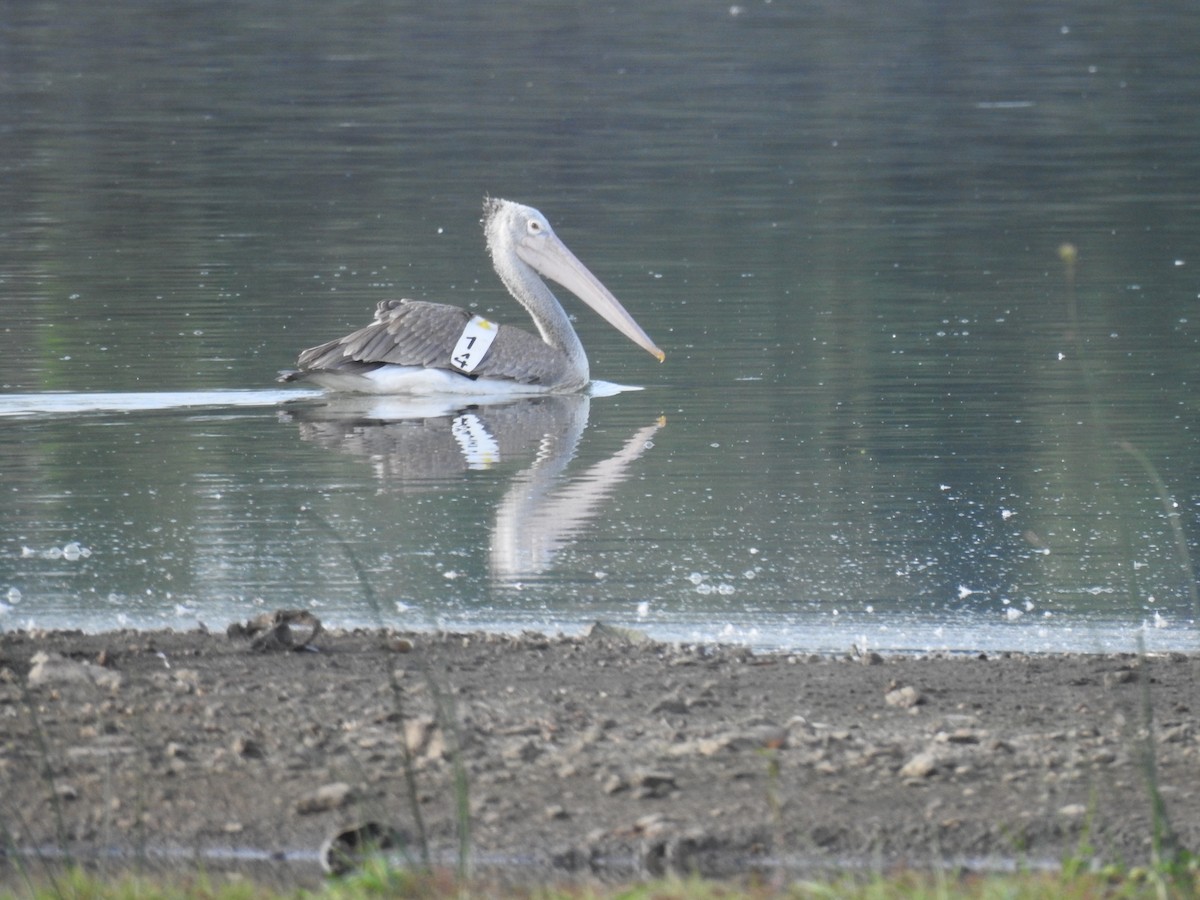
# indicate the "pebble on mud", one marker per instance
pixel 50 669
pixel 653 784
pixel 248 748
pixel 920 766
pixel 905 697
pixel 328 796
pixel 424 738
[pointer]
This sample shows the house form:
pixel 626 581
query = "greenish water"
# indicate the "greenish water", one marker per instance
pixel 893 415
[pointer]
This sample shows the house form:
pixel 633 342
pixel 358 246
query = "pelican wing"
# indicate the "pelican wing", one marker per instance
pixel 420 334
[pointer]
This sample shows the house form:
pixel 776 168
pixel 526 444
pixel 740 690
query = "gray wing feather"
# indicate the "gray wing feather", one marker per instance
pixel 416 333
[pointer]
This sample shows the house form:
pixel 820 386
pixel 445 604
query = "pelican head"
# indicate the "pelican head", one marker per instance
pixel 520 239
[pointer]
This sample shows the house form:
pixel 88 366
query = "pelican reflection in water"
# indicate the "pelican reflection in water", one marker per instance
pixel 414 347
pixel 417 445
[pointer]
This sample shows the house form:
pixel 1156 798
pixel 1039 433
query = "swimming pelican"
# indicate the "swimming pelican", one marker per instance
pixel 414 347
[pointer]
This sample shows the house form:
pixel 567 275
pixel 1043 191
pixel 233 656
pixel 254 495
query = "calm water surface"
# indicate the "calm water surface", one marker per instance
pixel 892 413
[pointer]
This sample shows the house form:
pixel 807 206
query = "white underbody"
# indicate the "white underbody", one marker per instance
pixel 415 381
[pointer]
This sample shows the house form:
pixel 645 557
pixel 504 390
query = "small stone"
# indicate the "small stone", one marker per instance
pixel 522 751
pixel 271 632
pixel 672 706
pixel 649 785
pixel 248 748
pixel 436 748
pixel 174 750
pixel 651 824
pixel 905 697
pixel 705 747
pixel 799 728
pixel 185 681
pixel 556 811
pixel 418 732
pixel 1121 676
pixel 920 766
pixel 326 797
pixel 957 736
pixel 1072 810
pixel 615 634
pixel 53 670
pixel 1176 734
pixel 614 784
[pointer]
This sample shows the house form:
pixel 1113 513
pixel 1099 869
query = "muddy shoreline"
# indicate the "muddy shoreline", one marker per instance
pixel 600 756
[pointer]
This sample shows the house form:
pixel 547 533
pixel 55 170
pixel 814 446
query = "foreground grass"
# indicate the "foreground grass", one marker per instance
pixel 382 881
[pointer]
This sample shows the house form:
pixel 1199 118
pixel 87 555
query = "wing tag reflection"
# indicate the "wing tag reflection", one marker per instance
pixel 479 448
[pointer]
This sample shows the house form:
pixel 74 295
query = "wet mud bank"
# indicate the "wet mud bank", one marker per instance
pixel 596 756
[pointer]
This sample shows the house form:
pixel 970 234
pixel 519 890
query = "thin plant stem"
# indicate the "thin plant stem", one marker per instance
pixel 409 765
pixel 55 800
pixel 1171 510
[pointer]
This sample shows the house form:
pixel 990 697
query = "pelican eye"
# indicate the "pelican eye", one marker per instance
pixel 535 227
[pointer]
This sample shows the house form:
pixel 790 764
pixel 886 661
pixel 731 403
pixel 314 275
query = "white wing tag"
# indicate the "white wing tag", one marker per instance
pixel 473 344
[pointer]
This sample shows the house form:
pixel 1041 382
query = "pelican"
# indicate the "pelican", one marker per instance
pixel 414 347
